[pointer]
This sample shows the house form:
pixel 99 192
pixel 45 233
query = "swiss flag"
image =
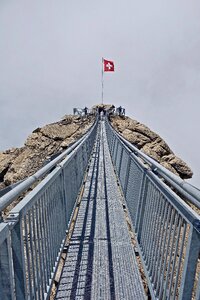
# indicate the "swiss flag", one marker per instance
pixel 108 66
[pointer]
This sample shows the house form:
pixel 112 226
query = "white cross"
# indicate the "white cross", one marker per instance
pixel 109 66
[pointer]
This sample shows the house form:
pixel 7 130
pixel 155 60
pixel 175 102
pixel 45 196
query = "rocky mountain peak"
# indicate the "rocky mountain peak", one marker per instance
pixel 19 163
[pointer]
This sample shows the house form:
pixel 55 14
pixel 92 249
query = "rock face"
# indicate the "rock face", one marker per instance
pixel 18 163
pixel 151 144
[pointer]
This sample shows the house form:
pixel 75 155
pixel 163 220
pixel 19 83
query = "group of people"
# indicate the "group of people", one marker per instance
pixel 120 111
pixel 81 111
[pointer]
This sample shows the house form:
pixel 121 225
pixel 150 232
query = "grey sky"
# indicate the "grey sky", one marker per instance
pixel 50 62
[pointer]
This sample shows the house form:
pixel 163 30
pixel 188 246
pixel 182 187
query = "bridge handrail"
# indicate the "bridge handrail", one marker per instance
pixel 167 229
pixel 33 235
pixel 190 192
pixel 9 197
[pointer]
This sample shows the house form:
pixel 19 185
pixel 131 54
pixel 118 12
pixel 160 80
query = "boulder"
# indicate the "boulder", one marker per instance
pixel 179 165
pixel 59 132
pixel 135 138
pixel 144 130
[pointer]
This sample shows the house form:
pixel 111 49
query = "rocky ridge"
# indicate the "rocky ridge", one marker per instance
pixel 151 144
pixel 18 163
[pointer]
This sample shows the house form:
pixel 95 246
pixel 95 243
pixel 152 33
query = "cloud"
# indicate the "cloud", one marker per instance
pixel 51 62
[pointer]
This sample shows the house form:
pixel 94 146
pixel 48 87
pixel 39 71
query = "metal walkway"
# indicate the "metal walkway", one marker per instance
pixel 100 261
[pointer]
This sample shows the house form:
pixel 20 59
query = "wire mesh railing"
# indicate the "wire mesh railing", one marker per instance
pixel 167 229
pixel 33 235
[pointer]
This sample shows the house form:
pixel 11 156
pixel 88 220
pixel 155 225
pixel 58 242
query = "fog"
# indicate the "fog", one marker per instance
pixel 50 62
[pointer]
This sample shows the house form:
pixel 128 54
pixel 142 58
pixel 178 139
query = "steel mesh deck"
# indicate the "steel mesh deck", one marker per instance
pixel 100 262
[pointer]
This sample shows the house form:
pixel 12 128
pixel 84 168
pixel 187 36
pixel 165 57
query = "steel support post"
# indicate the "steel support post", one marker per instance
pixel 192 255
pixel 6 271
pixel 127 176
pixel 141 206
pixel 120 163
pixel 18 261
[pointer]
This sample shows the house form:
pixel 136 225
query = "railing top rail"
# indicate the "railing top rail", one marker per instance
pixel 8 198
pixel 189 191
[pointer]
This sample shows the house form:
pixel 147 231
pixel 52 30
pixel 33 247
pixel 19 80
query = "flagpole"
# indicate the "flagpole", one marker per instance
pixel 102 82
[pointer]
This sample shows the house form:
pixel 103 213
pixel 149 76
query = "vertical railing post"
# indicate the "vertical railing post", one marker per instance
pixel 112 146
pixel 64 195
pixel 141 206
pixel 190 263
pixel 120 162
pixel 115 152
pixel 127 176
pixel 6 267
pixel 11 270
pixel 88 148
pixel 198 289
pixel 18 256
pixel 110 140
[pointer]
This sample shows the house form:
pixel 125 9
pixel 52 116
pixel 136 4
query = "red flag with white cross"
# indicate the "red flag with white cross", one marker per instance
pixel 108 66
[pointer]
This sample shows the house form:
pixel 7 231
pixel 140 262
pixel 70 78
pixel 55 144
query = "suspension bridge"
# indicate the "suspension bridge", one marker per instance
pixel 104 221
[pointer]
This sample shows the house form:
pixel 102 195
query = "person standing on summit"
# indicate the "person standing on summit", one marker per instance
pixel 86 111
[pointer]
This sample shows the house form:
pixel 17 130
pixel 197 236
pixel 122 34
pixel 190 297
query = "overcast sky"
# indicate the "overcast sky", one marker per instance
pixel 50 62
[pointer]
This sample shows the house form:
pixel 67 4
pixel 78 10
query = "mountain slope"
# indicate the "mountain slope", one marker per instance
pixel 151 144
pixel 18 163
